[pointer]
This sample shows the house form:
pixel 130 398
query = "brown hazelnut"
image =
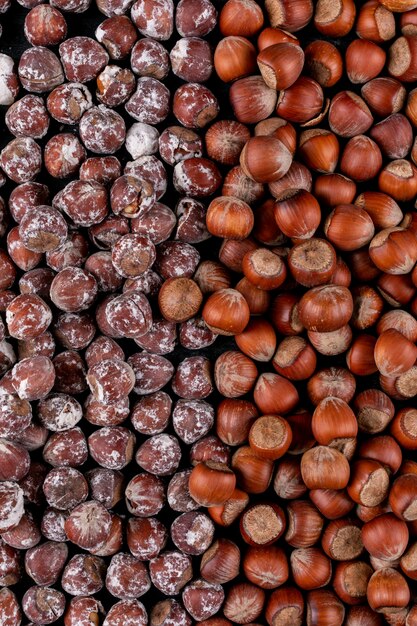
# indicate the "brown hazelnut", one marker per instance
pixel 85 202
pixel 118 35
pixel 102 130
pixel 40 70
pixel 9 81
pixel 150 102
pixel 21 159
pixel 177 143
pixel 191 59
pixel 43 605
pixel 68 103
pixel 82 58
pixel 115 85
pixel 43 230
pixel 150 58
pixel 63 155
pixel 195 18
pixel 45 26
pixel 194 105
pixel 154 19
pixel 28 117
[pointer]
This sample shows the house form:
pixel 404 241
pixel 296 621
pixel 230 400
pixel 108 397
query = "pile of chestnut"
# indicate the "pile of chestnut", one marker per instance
pixel 208 313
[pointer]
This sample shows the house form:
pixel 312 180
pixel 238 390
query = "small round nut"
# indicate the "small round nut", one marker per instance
pixel 133 255
pixel 102 130
pixel 130 314
pixel 43 605
pixel 83 58
pixel 85 203
pixel 131 196
pixel 179 299
pixel 118 35
pixel 9 82
pixel 21 159
pixel 192 59
pixel 27 316
pixel 40 70
pixel 44 229
pixel 68 103
pixel 45 26
pixel 150 102
pixel 28 117
pixel 110 380
pixel 88 525
pixel 115 85
pixel 194 105
pixel 73 289
pixel 154 19
pixel 33 378
pixel 150 58
pixel 141 139
pixel 63 155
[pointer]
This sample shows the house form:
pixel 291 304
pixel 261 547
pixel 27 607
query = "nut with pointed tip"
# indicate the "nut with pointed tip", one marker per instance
pixel 266 566
pixel 388 591
pixel 323 467
pixel 226 312
pixel 253 473
pixel 211 483
pixel 369 482
pixel 234 57
pixel 281 64
pixel 220 563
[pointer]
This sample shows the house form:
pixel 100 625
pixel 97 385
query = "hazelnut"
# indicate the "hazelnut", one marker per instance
pixel 69 102
pixel 118 35
pixel 28 117
pixel 33 378
pixel 202 599
pixel 145 495
pixel 150 58
pixel 191 60
pixel 110 380
pixel 141 139
pixel 177 143
pixel 102 130
pixel 194 105
pixel 21 159
pixel 45 26
pixel 154 18
pixel 82 58
pixel 63 155
pixel 43 230
pixel 43 605
pixel 170 572
pixel 40 70
pixel 112 447
pixel 127 577
pixel 45 562
pixel 83 574
pixel 115 85
pixel 88 525
pixel 131 196
pixel 150 102
pixel 8 80
pixel 195 18
pixel 85 202
pixel 159 455
pixel 102 170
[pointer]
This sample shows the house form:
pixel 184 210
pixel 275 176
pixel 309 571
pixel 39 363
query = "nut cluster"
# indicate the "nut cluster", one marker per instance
pixel 208 303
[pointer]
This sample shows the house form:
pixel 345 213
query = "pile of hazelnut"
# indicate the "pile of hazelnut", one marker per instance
pixel 208 314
